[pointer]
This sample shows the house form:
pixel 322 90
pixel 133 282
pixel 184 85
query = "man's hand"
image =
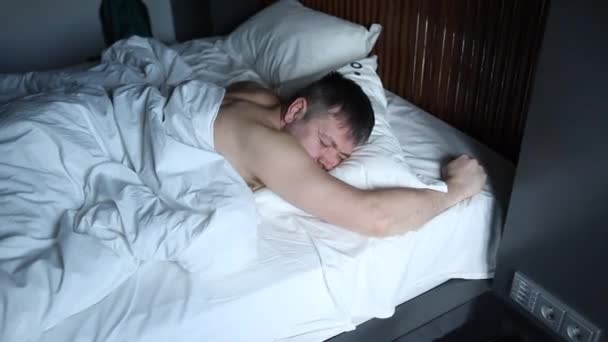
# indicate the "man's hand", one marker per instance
pixel 464 177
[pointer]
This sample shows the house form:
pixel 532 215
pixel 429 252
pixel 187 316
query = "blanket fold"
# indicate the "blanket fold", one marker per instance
pixel 97 177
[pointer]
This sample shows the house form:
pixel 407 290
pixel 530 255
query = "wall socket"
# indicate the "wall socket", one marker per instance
pixel 551 311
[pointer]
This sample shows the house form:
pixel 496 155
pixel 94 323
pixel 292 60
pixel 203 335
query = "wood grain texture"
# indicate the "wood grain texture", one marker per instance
pixel 469 62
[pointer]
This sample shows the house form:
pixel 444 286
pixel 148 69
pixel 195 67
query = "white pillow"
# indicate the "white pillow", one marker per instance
pixel 287 41
pixel 382 140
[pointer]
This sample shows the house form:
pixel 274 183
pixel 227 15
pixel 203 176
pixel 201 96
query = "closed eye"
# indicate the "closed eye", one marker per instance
pixel 327 141
pixel 324 142
pixel 343 156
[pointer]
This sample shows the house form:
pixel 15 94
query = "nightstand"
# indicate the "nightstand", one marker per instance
pixel 485 318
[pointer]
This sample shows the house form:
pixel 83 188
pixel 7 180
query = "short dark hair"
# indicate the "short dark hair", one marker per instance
pixel 335 90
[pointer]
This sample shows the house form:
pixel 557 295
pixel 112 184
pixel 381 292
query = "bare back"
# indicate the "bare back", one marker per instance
pixel 248 134
pixel 239 120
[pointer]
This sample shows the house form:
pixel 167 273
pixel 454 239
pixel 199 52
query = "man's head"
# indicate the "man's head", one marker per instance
pixel 329 117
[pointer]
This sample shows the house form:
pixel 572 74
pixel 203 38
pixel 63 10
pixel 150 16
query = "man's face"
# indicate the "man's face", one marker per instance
pixel 324 139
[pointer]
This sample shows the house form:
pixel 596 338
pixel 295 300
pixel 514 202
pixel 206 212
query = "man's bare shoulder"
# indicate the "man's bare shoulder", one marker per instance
pixel 268 142
pixel 265 155
pixel 243 131
pixel 252 92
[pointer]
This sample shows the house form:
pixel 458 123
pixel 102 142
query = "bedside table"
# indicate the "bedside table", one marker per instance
pixel 485 318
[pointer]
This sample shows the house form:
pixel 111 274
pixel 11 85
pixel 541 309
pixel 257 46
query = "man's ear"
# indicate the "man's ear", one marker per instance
pixel 296 110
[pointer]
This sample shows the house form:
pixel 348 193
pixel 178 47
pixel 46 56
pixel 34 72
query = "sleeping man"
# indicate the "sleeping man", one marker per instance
pixel 92 186
pixel 289 146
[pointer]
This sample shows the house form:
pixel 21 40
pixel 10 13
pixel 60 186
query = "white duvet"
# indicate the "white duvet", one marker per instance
pixel 94 182
pixel 108 170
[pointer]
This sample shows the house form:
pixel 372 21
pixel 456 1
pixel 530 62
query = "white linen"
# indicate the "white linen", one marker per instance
pixel 132 61
pixel 427 141
pixel 287 40
pixel 92 186
pixel 297 278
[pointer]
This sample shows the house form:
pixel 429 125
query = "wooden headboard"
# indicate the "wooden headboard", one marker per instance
pixel 468 62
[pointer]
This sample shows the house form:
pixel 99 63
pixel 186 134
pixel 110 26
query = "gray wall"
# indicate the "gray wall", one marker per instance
pixel 557 224
pixel 39 34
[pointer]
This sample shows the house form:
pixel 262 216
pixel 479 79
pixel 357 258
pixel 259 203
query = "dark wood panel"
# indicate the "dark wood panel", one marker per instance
pixel 468 62
pixel 191 19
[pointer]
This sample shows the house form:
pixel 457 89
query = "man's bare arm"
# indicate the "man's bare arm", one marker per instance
pixel 407 208
pixel 284 167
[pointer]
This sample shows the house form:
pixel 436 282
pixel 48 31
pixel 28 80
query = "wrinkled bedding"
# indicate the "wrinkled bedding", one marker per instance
pixel 118 221
pixel 97 177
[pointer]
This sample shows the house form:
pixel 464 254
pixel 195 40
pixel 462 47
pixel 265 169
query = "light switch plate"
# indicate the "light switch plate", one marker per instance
pixel 551 311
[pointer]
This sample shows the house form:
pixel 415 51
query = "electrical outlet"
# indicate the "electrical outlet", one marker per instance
pixel 551 311
pixel 577 329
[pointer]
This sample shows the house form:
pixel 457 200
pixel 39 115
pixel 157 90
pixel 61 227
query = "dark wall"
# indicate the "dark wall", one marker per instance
pixel 204 18
pixel 557 224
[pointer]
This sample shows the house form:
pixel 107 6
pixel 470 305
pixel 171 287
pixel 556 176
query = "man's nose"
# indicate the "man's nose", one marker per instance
pixel 328 163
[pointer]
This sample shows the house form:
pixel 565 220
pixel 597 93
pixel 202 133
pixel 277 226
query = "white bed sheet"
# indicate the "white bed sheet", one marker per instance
pixel 282 295
pixel 287 292
pixel 425 140
pixel 287 298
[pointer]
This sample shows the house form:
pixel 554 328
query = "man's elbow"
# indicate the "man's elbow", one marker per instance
pixel 383 224
pixel 384 227
pixel 380 223
pixel 378 229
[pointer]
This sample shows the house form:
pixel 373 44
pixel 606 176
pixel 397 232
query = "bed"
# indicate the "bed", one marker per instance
pixel 92 276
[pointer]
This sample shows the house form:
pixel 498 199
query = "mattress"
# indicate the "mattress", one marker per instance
pixel 283 296
pixel 295 289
